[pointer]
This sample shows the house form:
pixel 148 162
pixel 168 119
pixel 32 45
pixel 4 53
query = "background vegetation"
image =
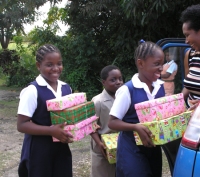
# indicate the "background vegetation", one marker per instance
pixel 100 33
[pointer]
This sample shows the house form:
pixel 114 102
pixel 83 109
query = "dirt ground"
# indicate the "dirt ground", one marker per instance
pixel 11 142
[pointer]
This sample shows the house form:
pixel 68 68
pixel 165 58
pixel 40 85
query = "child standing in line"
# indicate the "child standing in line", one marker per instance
pixel 133 160
pixel 41 157
pixel 111 78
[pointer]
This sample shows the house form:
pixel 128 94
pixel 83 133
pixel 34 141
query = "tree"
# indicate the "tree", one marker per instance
pixel 14 14
pixel 106 32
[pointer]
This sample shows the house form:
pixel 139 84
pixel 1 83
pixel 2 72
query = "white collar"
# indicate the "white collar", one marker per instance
pixel 138 84
pixel 42 82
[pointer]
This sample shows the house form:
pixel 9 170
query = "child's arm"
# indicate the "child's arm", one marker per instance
pixel 166 75
pixel 144 132
pixel 25 125
pixel 100 144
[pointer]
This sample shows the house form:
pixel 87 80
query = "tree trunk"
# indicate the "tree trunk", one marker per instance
pixel 4 39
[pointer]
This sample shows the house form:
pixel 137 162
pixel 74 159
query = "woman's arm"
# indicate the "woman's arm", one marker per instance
pixel 25 125
pixel 185 93
pixel 166 75
pixel 186 67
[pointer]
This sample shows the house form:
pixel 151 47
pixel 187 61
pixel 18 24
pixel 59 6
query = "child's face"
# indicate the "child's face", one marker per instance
pixel 51 67
pixel 168 56
pixel 113 81
pixel 151 68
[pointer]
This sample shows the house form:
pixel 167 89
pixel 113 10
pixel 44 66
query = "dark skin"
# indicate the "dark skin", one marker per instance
pixel 111 84
pixel 192 37
pixel 166 75
pixel 149 71
pixel 50 68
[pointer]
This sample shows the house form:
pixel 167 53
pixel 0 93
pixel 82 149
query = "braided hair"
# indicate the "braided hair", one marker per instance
pixel 145 49
pixel 45 49
pixel 105 71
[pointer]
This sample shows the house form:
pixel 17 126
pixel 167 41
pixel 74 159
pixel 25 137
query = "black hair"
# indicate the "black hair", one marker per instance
pixel 145 49
pixel 105 71
pixel 45 49
pixel 192 16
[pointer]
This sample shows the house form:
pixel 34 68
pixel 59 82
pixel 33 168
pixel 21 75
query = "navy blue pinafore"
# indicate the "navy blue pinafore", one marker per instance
pixel 41 157
pixel 133 160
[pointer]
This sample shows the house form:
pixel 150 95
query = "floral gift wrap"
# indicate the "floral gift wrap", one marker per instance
pixel 110 141
pixel 74 114
pixel 66 101
pixel 160 108
pixel 167 130
pixel 81 129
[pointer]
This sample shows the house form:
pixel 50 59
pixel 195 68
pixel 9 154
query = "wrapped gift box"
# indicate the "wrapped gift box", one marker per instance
pixel 74 114
pixel 167 130
pixel 160 108
pixel 66 101
pixel 81 129
pixel 110 141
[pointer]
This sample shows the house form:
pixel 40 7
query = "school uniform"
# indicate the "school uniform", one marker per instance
pixel 133 160
pixel 41 156
pixel 100 166
pixel 170 67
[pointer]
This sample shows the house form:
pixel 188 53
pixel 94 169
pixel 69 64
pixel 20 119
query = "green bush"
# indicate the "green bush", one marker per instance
pixel 18 65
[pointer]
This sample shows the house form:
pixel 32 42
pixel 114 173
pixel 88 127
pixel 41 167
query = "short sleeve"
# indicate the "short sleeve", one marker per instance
pixel 122 102
pixel 172 68
pixel 28 101
pixel 97 104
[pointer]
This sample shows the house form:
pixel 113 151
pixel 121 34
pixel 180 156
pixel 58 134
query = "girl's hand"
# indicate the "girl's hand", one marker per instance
pixel 193 107
pixel 102 148
pixel 145 135
pixel 60 134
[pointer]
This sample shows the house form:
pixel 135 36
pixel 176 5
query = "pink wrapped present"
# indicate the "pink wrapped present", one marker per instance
pixel 66 101
pixel 160 108
pixel 81 129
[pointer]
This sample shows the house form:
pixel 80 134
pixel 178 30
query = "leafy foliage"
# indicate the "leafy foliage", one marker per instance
pixel 8 58
pixel 107 32
pixel 111 30
pixel 14 14
pixel 18 65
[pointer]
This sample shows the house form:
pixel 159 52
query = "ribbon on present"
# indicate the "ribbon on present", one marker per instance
pixel 166 130
pixel 81 129
pixel 110 141
pixel 74 114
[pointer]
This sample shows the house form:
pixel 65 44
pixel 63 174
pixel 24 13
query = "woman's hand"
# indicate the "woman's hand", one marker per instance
pixel 58 132
pixel 194 104
pixel 145 135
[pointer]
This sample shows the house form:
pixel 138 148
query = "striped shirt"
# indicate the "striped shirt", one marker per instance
pixel 192 80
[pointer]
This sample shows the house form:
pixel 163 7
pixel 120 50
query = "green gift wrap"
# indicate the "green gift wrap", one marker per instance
pixel 166 130
pixel 74 114
pixel 110 141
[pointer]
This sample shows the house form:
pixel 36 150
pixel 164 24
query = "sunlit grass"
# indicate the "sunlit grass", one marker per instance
pixel 13 46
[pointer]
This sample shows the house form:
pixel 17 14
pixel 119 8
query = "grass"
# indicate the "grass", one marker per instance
pixel 13 46
pixel 3 85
